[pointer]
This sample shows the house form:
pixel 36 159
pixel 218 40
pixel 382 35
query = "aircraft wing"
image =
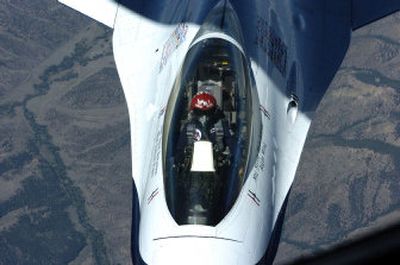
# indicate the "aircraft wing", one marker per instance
pixel 364 13
pixel 319 54
pixel 103 11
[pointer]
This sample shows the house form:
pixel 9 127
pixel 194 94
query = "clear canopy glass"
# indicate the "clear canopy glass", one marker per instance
pixel 208 138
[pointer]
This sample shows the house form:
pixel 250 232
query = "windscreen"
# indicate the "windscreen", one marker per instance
pixel 207 133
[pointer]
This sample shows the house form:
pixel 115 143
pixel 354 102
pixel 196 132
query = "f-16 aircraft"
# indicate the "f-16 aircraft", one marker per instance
pixel 221 94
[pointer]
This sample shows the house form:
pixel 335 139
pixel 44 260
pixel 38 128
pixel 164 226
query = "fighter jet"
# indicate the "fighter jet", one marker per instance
pixel 221 94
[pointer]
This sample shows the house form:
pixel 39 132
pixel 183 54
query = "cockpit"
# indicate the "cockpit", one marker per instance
pixel 209 137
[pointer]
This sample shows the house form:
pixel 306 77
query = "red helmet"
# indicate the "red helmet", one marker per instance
pixel 203 101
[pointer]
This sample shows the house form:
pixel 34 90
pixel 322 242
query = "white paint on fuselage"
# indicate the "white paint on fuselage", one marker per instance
pixel 242 237
pixel 147 90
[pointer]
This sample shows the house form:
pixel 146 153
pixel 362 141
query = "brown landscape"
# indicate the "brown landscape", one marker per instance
pixel 65 165
pixel 347 184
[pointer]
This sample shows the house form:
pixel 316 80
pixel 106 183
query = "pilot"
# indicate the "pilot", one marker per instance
pixel 203 116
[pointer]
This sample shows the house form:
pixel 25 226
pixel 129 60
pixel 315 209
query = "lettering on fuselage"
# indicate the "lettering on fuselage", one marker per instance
pixel 269 42
pixel 259 165
pixel 173 42
pixel 155 154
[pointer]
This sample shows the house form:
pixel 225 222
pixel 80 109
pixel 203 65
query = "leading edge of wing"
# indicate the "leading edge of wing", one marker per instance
pixel 368 11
